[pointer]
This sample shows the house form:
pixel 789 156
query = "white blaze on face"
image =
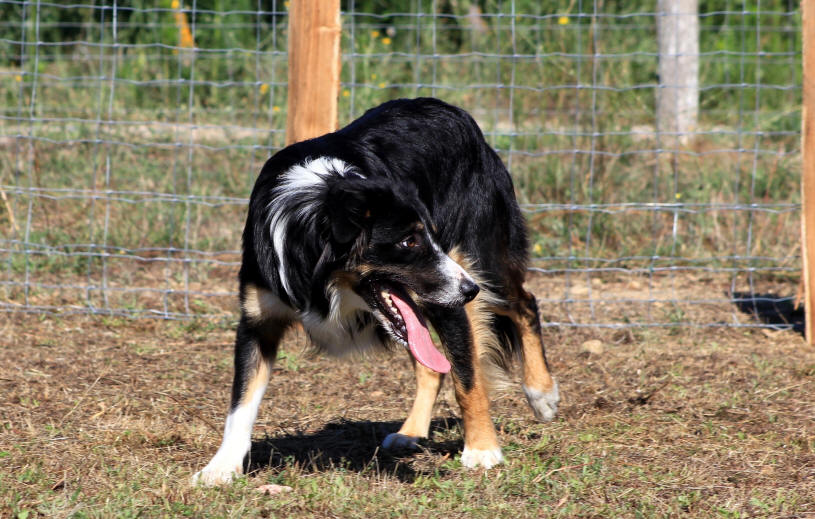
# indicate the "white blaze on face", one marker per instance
pixel 454 276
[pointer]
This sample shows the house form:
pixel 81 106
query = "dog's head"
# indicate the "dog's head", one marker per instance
pixel 394 262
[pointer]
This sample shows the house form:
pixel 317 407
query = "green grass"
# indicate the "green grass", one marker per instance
pixel 120 433
pixel 133 135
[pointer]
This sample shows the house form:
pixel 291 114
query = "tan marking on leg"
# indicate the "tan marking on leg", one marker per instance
pixel 540 388
pixel 259 304
pixel 479 431
pixel 257 380
pixel 251 303
pixel 417 424
pixel 536 373
pixel 428 383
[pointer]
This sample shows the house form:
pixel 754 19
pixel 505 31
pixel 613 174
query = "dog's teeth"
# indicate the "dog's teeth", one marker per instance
pixel 386 296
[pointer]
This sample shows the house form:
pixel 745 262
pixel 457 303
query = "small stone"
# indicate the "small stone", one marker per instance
pixel 593 346
pixel 273 490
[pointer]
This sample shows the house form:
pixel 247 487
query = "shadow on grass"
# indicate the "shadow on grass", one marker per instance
pixel 354 446
pixel 771 309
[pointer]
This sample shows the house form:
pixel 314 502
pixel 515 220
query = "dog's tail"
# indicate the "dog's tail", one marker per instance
pixel 500 355
pixel 498 340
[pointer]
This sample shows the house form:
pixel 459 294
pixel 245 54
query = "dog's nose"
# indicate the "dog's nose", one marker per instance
pixel 469 289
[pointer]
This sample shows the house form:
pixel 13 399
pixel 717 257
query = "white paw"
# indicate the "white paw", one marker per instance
pixel 543 403
pixel 397 441
pixel 472 458
pixel 216 473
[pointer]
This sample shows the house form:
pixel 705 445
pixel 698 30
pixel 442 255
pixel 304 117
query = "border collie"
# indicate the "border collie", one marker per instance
pixel 403 220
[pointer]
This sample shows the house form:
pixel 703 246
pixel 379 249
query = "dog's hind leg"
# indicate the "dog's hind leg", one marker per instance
pixel 540 388
pixel 255 351
pixel 417 424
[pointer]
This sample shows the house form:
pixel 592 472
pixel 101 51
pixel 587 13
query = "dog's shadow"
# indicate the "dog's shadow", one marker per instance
pixel 771 309
pixel 354 446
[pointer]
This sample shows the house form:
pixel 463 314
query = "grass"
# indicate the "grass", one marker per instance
pixel 106 417
pixel 164 164
pixel 202 126
pixel 109 417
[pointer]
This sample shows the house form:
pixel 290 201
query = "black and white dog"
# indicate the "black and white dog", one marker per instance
pixel 404 218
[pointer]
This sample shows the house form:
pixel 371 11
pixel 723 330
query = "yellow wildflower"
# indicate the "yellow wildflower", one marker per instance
pixel 186 38
pixel 563 20
pixel 678 196
pixel 386 40
pixel 264 87
pixel 382 85
pixel 375 34
pixel 537 249
pixel 275 108
pixel 18 78
pixel 175 4
pixel 346 93
pixel 185 34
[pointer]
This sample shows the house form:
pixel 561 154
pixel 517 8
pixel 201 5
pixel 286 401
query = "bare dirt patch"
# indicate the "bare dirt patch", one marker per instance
pixel 104 416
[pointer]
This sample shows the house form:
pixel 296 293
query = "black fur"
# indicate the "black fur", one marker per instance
pixel 423 160
pixel 343 229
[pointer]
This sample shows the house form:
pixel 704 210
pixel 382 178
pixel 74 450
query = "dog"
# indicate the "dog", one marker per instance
pixel 403 220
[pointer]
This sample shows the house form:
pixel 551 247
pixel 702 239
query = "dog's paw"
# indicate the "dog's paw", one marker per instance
pixel 216 474
pixel 398 441
pixel 543 403
pixel 472 458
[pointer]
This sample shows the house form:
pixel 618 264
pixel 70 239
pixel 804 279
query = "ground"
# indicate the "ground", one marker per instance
pixel 104 417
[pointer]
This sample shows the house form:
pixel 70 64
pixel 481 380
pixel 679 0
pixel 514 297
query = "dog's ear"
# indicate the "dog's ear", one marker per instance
pixel 350 203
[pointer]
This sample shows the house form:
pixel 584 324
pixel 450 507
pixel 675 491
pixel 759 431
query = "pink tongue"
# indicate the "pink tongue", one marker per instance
pixel 419 341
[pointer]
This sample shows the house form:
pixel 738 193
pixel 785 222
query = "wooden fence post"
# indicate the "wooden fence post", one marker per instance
pixel 808 170
pixel 314 68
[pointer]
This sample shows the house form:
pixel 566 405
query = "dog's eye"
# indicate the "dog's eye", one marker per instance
pixel 411 242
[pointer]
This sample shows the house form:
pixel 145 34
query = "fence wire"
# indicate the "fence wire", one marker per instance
pixel 131 136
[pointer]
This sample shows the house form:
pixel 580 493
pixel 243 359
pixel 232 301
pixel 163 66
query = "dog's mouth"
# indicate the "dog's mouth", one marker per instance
pixel 405 324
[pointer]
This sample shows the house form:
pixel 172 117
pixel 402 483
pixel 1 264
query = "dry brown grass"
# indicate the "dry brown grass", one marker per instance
pixel 104 417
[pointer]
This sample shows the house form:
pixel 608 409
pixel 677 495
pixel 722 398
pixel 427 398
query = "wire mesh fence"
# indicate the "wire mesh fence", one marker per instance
pixel 131 136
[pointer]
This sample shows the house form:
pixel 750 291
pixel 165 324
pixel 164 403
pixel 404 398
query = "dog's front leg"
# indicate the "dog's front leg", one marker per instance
pixel 481 447
pixel 417 424
pixel 460 331
pixel 255 351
